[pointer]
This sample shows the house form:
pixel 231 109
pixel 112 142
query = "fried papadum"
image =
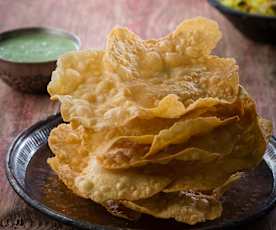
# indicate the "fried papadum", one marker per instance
pixel 159 127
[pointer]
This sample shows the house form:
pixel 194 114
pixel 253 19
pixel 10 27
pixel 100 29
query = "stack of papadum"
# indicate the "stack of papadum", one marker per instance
pixel 160 127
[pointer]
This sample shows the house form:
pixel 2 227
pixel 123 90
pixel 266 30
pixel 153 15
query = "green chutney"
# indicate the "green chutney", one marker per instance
pixel 36 46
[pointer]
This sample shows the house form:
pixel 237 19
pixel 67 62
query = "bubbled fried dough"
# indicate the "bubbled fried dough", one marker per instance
pixel 160 127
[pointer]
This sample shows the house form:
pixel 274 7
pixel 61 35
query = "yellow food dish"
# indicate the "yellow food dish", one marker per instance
pixel 262 7
pixel 160 127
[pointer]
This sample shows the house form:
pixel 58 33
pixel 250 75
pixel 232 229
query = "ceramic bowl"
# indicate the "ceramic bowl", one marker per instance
pixel 30 77
pixel 256 27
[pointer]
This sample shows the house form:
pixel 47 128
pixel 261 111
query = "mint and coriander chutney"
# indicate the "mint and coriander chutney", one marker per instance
pixel 35 46
pixel 28 56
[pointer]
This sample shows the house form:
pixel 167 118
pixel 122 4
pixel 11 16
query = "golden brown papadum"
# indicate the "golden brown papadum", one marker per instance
pixel 160 127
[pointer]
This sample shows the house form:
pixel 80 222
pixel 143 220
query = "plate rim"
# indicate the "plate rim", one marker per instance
pixel 45 210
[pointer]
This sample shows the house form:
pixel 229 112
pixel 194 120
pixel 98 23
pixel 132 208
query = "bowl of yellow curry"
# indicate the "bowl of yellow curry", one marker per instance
pixel 256 19
pixel 28 56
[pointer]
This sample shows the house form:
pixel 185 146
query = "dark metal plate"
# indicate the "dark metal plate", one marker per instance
pixel 33 180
